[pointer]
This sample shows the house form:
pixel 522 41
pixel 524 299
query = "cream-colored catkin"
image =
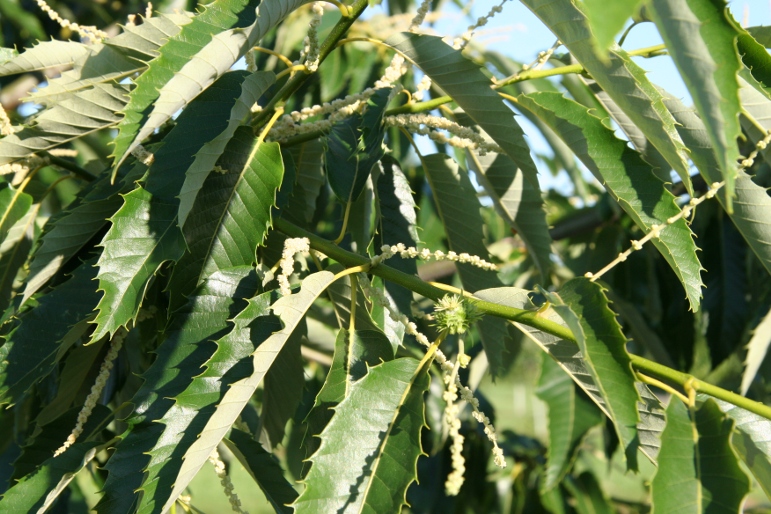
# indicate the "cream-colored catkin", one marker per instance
pixel 292 246
pixel 312 47
pixel 227 484
pixel 460 43
pixel 6 127
pixel 88 32
pixel 389 251
pixel 96 390
pixel 462 137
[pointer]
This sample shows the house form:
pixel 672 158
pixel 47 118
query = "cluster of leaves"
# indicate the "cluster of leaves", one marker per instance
pixel 320 395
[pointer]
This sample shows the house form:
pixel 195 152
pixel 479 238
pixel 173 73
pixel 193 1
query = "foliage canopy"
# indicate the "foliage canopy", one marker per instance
pixel 239 234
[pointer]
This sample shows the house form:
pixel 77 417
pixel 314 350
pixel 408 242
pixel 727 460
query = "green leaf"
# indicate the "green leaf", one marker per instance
pixel 353 146
pixel 458 208
pixel 566 355
pixel 140 240
pixel 144 232
pixel 30 351
pixel 253 87
pixel 283 389
pixel 186 418
pixel 81 114
pixel 702 45
pixel 519 204
pixel 623 80
pixel 462 79
pixel 192 60
pixel 584 307
pixel 291 310
pixel 752 442
pixel 14 252
pixel 144 40
pixel 588 494
pixel 606 19
pixel 232 213
pixel 570 418
pixel 751 203
pixel 65 235
pixel 44 55
pixel 264 468
pixel 397 223
pixel 369 451
pixel 309 175
pixel 37 491
pixel 14 204
pixel 179 358
pixel 626 177
pixel 698 470
pixel 757 349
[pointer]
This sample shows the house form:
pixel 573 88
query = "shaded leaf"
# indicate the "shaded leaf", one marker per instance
pixel 30 350
pixel 569 357
pixel 231 215
pixel 207 157
pixel 14 251
pixel 264 468
pixel 369 451
pixel 462 79
pixel 291 310
pixel 588 494
pixel 584 307
pixel 570 418
pixel 194 406
pixel 14 204
pixel 45 54
pixel 698 470
pixel 179 358
pixel 283 389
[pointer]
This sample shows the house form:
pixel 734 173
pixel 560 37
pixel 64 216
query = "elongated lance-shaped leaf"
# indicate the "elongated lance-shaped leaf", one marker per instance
pixel 757 349
pixel 584 307
pixel 702 44
pixel 144 232
pixel 751 440
pixel 459 210
pixel 186 348
pixel 44 55
pixel 569 357
pixel 81 114
pixel 397 222
pixel 369 451
pixel 355 351
pixel 627 178
pixel 14 252
pixel 570 418
pixel 67 233
pixel 282 390
pixel 353 146
pixel 518 203
pixel 264 469
pixel 30 350
pixel 309 177
pixel 14 204
pixel 194 406
pixel 606 20
pixel 462 79
pixel 231 215
pixel 32 493
pixel 623 80
pixel 192 60
pixel 291 309
pixel 206 159
pixel 751 204
pixel 698 470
